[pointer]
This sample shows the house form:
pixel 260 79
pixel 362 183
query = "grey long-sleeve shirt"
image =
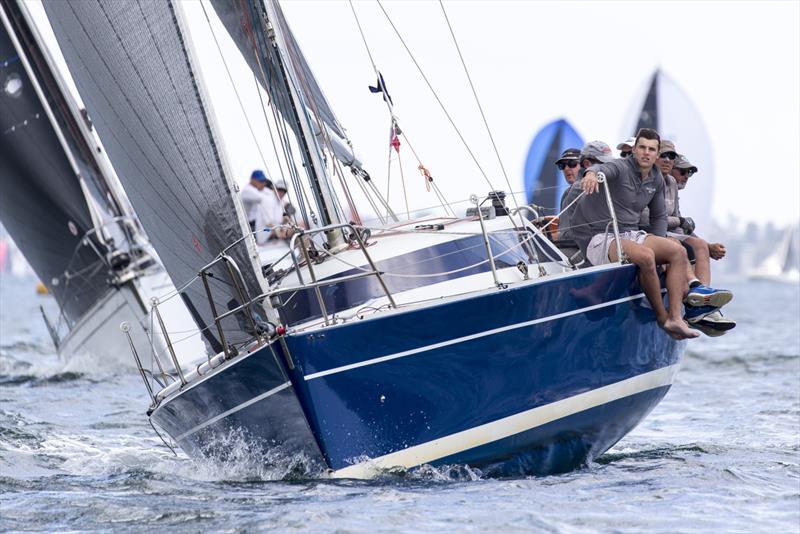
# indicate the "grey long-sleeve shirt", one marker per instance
pixel 630 194
pixel 672 205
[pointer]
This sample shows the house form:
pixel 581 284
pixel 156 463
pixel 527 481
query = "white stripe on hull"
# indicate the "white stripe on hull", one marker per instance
pixel 235 409
pixel 509 426
pixel 470 337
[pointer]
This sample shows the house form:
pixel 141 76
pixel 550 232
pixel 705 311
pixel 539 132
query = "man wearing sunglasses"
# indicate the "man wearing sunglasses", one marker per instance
pixel 592 153
pixel 568 164
pixel 626 147
pixel 635 183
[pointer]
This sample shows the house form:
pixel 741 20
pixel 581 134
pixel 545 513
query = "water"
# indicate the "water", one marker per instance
pixel 720 453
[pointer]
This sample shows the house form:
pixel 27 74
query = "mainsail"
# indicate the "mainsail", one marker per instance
pixel 43 202
pixel 133 68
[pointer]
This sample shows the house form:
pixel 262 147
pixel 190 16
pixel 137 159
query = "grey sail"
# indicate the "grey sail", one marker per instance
pixel 132 68
pixel 42 203
pixel 237 18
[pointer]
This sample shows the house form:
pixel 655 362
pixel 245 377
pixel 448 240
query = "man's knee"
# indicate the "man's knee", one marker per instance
pixel 699 246
pixel 644 258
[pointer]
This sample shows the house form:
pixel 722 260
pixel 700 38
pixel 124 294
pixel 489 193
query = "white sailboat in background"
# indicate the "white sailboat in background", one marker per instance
pixel 783 265
pixel 664 106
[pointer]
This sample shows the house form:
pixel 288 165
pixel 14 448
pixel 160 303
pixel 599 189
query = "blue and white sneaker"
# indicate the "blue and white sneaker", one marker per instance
pixel 695 314
pixel 712 324
pixel 702 296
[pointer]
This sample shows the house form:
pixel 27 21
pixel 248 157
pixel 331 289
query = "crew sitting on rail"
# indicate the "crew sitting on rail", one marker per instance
pixel 711 323
pixel 634 183
pixel 708 320
pixel 592 153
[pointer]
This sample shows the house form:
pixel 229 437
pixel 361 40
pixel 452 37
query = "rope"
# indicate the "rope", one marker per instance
pixel 477 101
pixel 233 85
pixel 436 96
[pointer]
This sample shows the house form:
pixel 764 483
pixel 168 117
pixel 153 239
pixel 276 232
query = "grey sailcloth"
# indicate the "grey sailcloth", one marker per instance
pixel 42 204
pixel 132 68
pixel 238 17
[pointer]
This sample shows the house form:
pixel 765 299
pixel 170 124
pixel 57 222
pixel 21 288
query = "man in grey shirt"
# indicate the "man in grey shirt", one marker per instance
pixel 634 184
pixel 592 153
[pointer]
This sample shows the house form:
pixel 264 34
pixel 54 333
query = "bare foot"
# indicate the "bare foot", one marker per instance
pixel 677 329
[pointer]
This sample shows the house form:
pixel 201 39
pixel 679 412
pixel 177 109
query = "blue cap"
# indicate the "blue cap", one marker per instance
pixel 259 175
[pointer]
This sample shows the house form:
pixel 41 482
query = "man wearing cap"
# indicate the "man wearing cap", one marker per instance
pixel 710 321
pixel 626 147
pixel 568 165
pixel 635 183
pixel 592 153
pixel 666 157
pixel 251 195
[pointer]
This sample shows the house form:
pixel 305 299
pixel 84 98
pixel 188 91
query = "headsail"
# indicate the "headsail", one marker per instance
pixel 43 204
pixel 132 65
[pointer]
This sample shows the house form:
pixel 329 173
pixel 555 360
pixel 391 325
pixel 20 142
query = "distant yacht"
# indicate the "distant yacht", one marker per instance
pixel 783 265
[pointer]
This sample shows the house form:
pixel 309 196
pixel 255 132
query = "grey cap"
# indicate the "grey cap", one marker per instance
pixel 630 142
pixel 280 183
pixel 667 146
pixel 682 162
pixel 597 150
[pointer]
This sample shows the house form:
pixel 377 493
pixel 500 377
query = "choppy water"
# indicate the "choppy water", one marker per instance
pixel 720 453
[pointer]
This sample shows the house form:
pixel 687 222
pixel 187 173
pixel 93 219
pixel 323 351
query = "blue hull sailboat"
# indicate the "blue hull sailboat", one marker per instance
pixel 458 339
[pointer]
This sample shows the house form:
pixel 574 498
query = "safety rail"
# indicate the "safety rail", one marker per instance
pixel 300 258
pixel 309 263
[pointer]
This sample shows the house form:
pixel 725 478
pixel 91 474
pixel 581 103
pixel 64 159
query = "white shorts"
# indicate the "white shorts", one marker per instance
pixel 597 251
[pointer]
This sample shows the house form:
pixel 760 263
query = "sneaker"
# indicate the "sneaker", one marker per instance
pixel 717 321
pixel 707 330
pixel 695 314
pixel 700 296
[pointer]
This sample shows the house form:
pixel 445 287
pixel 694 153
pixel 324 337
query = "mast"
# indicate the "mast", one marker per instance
pixel 320 182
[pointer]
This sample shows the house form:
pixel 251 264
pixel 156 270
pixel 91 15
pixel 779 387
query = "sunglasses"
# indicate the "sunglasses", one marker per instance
pixel 625 154
pixel 684 172
pixel 571 164
pixel 669 155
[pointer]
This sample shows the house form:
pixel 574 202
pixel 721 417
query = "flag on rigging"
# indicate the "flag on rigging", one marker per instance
pixel 380 87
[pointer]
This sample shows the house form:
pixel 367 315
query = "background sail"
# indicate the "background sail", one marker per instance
pixel 544 183
pixel 667 108
pixel 42 204
pixel 132 68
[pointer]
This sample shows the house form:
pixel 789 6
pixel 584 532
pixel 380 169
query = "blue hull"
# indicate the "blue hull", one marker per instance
pixel 532 379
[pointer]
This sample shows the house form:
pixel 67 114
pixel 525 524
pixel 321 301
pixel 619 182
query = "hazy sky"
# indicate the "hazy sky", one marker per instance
pixel 533 62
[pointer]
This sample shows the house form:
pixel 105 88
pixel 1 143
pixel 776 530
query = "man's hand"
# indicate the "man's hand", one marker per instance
pixel 716 250
pixel 589 183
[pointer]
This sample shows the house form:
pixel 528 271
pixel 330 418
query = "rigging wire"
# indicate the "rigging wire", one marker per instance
pixel 477 101
pixel 436 96
pixel 233 85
